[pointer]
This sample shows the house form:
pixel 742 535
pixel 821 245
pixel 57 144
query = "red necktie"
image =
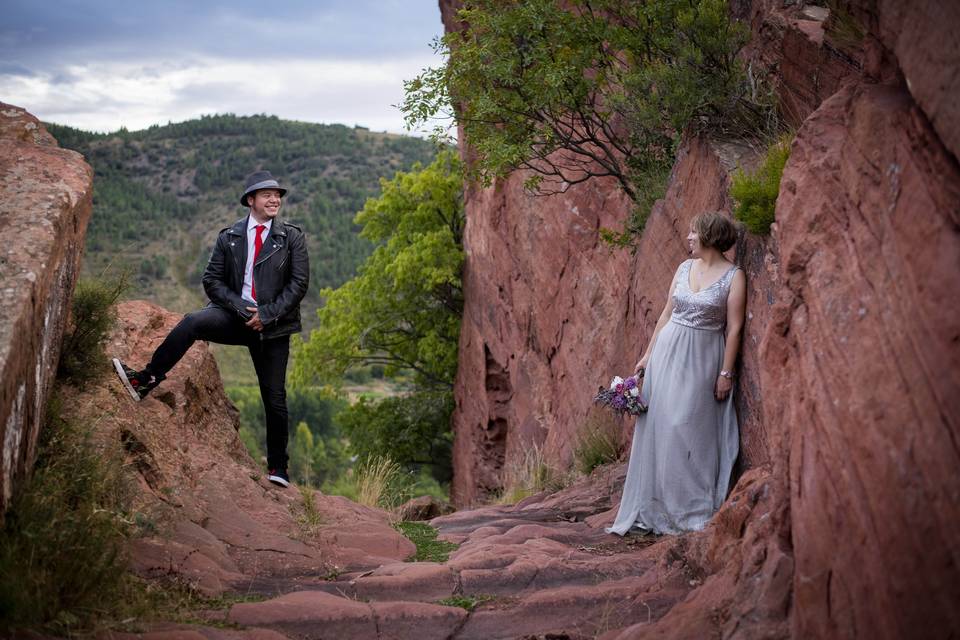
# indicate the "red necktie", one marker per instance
pixel 257 245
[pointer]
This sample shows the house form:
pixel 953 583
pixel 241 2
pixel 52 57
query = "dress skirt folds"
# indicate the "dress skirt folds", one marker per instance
pixel 685 446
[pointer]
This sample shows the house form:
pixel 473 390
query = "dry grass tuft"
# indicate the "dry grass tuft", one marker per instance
pixel 531 474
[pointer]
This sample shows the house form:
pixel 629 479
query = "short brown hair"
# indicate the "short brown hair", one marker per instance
pixel 715 230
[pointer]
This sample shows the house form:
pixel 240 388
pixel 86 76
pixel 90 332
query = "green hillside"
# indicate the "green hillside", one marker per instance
pixel 162 194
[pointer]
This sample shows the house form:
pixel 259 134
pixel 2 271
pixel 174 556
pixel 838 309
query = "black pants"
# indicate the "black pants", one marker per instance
pixel 214 324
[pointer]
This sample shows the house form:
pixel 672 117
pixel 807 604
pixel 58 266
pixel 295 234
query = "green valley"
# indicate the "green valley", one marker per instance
pixel 162 194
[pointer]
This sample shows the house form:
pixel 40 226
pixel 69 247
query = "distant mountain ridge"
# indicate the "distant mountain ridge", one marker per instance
pixel 162 194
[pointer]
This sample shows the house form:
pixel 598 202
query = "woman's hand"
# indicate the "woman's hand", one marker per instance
pixel 722 389
pixel 642 364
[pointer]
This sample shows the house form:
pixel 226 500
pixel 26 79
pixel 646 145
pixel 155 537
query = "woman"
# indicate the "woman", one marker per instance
pixel 685 445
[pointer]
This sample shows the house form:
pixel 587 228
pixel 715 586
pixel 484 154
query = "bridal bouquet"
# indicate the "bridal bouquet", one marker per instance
pixel 623 396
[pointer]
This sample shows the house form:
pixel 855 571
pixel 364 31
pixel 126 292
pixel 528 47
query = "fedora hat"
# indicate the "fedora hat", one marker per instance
pixel 260 180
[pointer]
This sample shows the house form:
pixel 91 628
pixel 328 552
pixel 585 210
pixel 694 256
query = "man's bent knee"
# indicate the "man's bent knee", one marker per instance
pixel 212 324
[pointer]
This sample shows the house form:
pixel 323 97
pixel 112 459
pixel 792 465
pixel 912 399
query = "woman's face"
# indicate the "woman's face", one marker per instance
pixel 693 243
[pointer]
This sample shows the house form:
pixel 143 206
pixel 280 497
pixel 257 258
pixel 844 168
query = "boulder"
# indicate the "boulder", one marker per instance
pixel 321 616
pixel 424 508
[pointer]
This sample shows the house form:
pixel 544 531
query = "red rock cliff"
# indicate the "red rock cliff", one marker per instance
pixel 45 203
pixel 851 355
pixel 552 312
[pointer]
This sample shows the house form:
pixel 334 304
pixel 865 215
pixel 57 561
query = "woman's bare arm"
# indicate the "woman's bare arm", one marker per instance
pixel 736 310
pixel 661 323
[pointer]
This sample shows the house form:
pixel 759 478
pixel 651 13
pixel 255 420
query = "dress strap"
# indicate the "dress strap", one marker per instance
pixel 683 271
pixel 728 276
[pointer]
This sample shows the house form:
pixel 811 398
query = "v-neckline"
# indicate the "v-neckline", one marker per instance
pixel 702 289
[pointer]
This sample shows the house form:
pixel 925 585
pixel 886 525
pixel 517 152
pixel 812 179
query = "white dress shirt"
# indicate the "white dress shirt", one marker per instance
pixel 246 293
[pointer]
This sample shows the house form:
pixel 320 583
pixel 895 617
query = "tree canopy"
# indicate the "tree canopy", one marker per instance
pixel 580 89
pixel 413 430
pixel 403 309
pixel 402 312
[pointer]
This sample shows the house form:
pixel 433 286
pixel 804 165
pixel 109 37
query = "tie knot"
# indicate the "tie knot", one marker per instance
pixel 260 228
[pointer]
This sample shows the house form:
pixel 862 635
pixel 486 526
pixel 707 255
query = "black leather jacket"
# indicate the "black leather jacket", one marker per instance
pixel 282 274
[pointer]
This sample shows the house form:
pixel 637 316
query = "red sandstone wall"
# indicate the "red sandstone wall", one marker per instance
pixel 545 316
pixel 551 312
pixel 864 358
pixel 851 358
pixel 45 204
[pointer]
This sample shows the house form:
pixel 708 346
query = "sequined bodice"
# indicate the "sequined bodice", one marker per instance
pixel 705 309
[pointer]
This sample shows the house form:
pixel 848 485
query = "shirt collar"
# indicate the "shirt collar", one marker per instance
pixel 251 224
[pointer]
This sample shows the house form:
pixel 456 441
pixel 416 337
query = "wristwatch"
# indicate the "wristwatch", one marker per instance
pixel 727 374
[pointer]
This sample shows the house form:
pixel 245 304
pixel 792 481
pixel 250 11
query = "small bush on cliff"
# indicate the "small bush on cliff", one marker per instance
pixel 92 315
pixel 62 544
pixel 756 193
pixel 598 441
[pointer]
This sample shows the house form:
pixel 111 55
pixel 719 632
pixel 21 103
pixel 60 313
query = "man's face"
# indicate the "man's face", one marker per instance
pixel 264 204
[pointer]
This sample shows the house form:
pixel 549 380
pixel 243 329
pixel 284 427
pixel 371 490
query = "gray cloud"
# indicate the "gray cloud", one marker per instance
pixel 106 63
pixel 7 69
pixel 49 33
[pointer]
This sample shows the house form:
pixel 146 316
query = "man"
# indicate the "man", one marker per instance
pixel 257 276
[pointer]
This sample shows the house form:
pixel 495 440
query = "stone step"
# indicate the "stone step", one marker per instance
pixel 314 615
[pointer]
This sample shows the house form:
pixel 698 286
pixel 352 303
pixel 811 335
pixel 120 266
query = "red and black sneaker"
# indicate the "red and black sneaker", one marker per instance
pixel 137 383
pixel 279 477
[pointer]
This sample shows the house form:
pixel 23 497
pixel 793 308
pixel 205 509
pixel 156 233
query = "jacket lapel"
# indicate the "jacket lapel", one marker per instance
pixel 274 241
pixel 238 245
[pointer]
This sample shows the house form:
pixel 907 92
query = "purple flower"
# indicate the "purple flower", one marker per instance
pixel 629 383
pixel 619 402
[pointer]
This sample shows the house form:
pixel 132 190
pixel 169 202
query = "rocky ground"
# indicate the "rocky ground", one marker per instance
pixel 332 569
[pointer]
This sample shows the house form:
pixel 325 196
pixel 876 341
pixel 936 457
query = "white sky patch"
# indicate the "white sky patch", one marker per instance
pixel 104 96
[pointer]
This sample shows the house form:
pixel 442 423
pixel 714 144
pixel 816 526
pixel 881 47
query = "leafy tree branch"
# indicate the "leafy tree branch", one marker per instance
pixel 404 307
pixel 581 89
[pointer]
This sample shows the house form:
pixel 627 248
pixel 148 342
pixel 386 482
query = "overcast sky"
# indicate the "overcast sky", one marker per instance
pixel 103 64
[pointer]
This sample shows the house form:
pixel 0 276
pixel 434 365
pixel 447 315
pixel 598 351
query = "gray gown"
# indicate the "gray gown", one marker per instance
pixel 685 445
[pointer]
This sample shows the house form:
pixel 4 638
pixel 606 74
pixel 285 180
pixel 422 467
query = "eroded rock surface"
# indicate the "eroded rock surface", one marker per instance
pixel 864 353
pixel 919 40
pixel 45 203
pixel 209 517
pixel 551 312
pixel 540 569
